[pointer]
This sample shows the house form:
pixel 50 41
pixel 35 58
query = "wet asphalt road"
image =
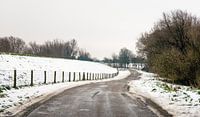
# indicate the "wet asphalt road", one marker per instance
pixel 105 99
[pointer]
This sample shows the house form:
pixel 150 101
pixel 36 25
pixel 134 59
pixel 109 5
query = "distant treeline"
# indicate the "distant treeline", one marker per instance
pixel 123 59
pixel 56 48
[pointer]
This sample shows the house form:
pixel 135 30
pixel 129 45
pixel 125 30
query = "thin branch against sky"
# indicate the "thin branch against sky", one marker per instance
pixel 100 26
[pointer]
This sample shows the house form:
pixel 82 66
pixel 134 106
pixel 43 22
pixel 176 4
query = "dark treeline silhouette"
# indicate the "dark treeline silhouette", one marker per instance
pixel 84 55
pixel 12 45
pixel 56 48
pixel 172 47
pixel 123 59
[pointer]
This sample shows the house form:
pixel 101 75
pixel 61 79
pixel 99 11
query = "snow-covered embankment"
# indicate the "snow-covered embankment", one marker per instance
pixel 180 101
pixel 24 65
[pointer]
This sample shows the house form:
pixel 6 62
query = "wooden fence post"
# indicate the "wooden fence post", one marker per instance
pixel 99 76
pixel 54 76
pixel 63 76
pixel 69 76
pixel 31 77
pixel 79 76
pixel 87 76
pixel 45 77
pixel 15 79
pixel 83 75
pixel 74 76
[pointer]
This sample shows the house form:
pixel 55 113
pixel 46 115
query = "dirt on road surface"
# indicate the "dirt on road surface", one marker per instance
pixel 104 99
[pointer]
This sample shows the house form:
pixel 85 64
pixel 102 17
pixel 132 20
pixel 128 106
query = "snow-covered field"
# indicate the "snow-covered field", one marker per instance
pixel 24 65
pixel 15 100
pixel 180 101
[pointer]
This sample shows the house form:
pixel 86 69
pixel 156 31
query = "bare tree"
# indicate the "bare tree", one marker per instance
pixel 71 49
pixel 172 47
pixel 34 48
pixel 4 45
pixel 125 56
pixel 115 60
pixel 84 55
pixel 12 45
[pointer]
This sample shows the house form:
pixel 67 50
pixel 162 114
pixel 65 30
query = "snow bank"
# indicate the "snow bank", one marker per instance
pixel 24 65
pixel 10 103
pixel 180 101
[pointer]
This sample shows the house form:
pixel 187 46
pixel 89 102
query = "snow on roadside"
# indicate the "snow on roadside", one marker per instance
pixel 180 101
pixel 13 98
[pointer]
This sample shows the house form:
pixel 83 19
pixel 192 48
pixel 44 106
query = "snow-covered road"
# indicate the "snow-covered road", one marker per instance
pixel 103 99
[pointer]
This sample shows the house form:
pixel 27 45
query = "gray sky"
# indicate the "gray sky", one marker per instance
pixel 102 27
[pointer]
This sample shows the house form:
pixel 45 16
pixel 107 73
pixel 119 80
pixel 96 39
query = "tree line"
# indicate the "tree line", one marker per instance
pixel 172 47
pixel 123 59
pixel 56 48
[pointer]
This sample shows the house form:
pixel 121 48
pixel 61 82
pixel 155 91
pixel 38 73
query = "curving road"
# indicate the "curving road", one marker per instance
pixel 105 99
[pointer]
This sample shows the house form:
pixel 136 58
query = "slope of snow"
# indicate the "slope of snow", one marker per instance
pixel 180 101
pixel 24 65
pixel 14 98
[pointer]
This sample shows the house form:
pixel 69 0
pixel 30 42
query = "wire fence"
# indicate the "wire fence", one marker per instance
pixel 18 78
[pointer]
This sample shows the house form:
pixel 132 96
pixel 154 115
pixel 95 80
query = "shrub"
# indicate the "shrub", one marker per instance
pixel 173 48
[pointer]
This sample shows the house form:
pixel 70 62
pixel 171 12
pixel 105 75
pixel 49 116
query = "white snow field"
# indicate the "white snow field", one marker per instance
pixel 180 101
pixel 24 65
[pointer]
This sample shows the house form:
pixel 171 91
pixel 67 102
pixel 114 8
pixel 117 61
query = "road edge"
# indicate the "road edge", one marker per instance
pixel 153 106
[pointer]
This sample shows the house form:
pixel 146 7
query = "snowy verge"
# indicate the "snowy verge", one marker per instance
pixel 16 100
pixel 180 101
pixel 45 67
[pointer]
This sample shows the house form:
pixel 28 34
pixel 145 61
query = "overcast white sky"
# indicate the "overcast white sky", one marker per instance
pixel 102 27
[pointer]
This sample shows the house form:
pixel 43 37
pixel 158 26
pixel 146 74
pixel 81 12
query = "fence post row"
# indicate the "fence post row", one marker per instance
pixel 90 76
